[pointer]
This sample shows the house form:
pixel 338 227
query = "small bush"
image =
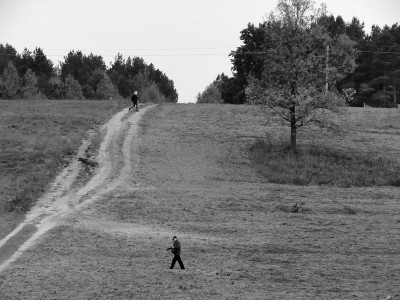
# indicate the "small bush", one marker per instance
pixel 321 166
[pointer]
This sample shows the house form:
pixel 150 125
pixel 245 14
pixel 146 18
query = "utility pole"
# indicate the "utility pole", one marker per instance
pixel 384 84
pixel 327 66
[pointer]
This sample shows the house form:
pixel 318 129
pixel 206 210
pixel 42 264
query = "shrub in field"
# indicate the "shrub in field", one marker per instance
pixel 56 88
pixel 73 89
pixel 321 166
pixel 106 89
pixel 10 83
pixel 30 85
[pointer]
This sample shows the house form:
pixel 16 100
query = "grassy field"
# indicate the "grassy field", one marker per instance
pixel 37 139
pixel 199 180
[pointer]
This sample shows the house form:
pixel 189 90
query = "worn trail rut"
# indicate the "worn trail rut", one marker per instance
pixel 115 165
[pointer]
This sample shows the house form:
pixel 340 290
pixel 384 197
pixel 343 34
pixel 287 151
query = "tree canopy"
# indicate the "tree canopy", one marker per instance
pixel 376 78
pixel 211 94
pixel 79 76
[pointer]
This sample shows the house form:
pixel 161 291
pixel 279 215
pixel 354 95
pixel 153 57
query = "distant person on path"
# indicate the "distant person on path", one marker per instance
pixel 134 99
pixel 176 250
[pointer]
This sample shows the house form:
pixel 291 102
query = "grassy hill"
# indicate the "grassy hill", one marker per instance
pixel 202 177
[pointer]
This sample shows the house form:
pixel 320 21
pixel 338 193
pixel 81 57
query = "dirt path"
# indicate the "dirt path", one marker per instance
pixel 115 166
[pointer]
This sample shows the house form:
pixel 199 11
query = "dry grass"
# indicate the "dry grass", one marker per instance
pixel 318 165
pixel 196 180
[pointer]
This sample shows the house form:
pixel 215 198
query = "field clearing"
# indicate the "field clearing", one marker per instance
pixel 195 179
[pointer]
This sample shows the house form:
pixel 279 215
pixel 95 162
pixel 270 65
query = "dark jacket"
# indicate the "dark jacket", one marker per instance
pixel 134 98
pixel 176 248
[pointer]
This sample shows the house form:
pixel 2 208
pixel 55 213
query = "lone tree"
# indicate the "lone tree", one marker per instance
pixel 301 66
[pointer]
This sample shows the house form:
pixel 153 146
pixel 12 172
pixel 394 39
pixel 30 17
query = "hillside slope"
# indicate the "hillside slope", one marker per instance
pixel 190 175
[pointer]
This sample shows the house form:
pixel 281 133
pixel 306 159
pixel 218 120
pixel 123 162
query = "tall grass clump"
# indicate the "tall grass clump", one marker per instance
pixel 319 165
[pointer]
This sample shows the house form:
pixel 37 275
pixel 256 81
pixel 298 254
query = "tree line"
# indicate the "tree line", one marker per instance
pixel 375 80
pixel 31 75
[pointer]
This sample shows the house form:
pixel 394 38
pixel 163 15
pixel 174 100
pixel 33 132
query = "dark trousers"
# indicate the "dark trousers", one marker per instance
pixel 177 258
pixel 134 105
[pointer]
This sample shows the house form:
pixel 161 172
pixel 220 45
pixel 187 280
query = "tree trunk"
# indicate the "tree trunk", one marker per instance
pixel 293 141
pixel 293 129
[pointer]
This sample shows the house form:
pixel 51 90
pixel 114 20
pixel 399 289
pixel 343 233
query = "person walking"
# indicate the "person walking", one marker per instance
pixel 176 251
pixel 135 99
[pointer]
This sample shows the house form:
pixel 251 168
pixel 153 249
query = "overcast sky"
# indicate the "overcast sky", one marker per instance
pixel 189 40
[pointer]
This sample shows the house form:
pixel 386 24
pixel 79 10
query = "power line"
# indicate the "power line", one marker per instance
pixel 358 51
pixel 379 52
pixel 206 54
pixel 138 54
pixel 179 49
